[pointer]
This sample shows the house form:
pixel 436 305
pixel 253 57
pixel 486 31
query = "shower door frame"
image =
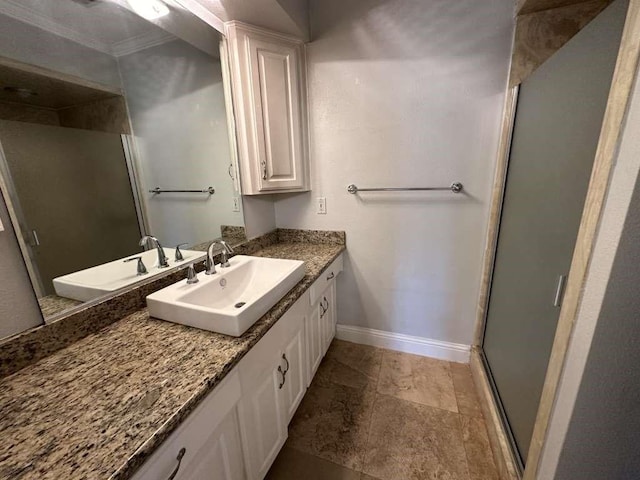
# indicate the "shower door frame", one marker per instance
pixel 620 94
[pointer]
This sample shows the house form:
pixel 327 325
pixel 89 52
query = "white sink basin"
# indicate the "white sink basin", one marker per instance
pixel 85 285
pixel 231 300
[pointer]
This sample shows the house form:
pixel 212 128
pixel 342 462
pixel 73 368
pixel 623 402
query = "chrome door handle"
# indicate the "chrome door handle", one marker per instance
pixel 264 170
pixel 329 277
pixel 179 458
pixel 557 299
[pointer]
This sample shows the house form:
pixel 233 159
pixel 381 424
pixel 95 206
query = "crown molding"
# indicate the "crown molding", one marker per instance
pixel 145 40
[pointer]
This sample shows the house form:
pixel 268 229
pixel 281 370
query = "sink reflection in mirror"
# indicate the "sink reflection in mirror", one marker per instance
pixel 96 281
pixel 99 108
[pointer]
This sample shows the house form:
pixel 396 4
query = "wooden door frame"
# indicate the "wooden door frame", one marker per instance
pixel 608 144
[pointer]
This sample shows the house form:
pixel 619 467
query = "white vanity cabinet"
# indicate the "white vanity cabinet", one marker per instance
pixel 273 378
pixel 238 430
pixel 270 106
pixel 206 446
pixel 322 318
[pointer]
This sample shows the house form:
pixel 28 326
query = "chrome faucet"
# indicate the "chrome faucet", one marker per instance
pixel 209 262
pixel 151 242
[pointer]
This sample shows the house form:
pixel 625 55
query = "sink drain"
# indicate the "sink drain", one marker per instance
pixel 240 304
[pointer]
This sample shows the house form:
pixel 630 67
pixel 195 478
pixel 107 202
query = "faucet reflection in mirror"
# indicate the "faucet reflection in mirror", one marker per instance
pixel 90 122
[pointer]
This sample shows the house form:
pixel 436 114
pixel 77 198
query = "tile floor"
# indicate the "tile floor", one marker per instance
pixel 374 414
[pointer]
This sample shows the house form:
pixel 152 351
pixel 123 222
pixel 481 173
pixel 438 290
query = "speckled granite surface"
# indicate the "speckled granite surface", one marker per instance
pixel 34 344
pixel 52 305
pixel 99 407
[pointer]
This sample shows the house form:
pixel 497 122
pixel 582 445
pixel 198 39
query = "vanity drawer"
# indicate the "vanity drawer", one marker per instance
pixel 325 279
pixel 216 410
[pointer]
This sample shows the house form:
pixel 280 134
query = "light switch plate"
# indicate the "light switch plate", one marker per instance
pixel 321 203
pixel 236 204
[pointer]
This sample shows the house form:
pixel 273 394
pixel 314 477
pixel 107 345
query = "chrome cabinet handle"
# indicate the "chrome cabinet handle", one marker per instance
pixel 284 377
pixel 284 357
pixel 264 170
pixel 179 458
pixel 329 277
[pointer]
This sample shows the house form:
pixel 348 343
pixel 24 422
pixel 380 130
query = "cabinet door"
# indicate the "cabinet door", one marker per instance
pixel 221 457
pixel 264 429
pixel 270 102
pixel 314 341
pixel 293 359
pixel 275 77
pixel 328 316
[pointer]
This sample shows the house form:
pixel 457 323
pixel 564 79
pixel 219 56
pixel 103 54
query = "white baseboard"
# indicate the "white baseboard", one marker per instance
pixel 453 352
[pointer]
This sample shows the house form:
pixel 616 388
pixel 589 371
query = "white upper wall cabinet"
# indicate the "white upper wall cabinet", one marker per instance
pixel 270 104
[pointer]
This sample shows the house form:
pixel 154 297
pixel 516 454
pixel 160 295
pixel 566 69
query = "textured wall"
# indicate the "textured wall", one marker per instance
pixel 176 102
pixel 405 93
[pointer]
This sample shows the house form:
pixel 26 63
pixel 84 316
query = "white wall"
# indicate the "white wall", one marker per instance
pixel 405 93
pixel 602 357
pixel 176 103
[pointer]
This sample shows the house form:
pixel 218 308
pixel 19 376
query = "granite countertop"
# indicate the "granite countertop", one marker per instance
pixel 100 407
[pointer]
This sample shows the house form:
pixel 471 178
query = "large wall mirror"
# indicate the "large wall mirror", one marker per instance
pixel 113 129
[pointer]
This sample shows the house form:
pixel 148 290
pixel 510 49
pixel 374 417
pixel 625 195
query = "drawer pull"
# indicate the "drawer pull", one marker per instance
pixel 332 275
pixel 284 357
pixel 284 379
pixel 264 170
pixel 179 458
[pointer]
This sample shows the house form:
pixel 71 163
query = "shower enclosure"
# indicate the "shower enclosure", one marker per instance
pixel 557 124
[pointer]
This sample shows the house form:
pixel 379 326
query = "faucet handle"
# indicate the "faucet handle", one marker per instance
pixel 226 246
pixel 141 269
pixel 224 262
pixel 192 276
pixel 178 256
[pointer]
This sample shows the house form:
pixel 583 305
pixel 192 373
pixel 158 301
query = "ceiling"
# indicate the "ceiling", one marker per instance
pixel 102 25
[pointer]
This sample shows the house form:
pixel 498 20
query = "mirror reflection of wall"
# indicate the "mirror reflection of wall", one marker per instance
pixel 98 106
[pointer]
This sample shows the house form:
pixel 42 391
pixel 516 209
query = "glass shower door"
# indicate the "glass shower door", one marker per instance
pixel 557 125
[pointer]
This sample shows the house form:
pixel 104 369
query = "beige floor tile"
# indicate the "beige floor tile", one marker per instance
pixel 479 454
pixel 332 422
pixel 465 389
pixel 417 379
pixel 409 441
pixel 293 464
pixel 350 364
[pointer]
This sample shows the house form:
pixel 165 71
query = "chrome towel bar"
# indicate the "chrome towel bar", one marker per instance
pixel 455 187
pixel 158 190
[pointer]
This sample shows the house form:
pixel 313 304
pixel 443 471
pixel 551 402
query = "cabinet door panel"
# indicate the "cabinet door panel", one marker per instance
pixel 296 385
pixel 263 426
pixel 275 74
pixel 221 457
pixel 314 341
